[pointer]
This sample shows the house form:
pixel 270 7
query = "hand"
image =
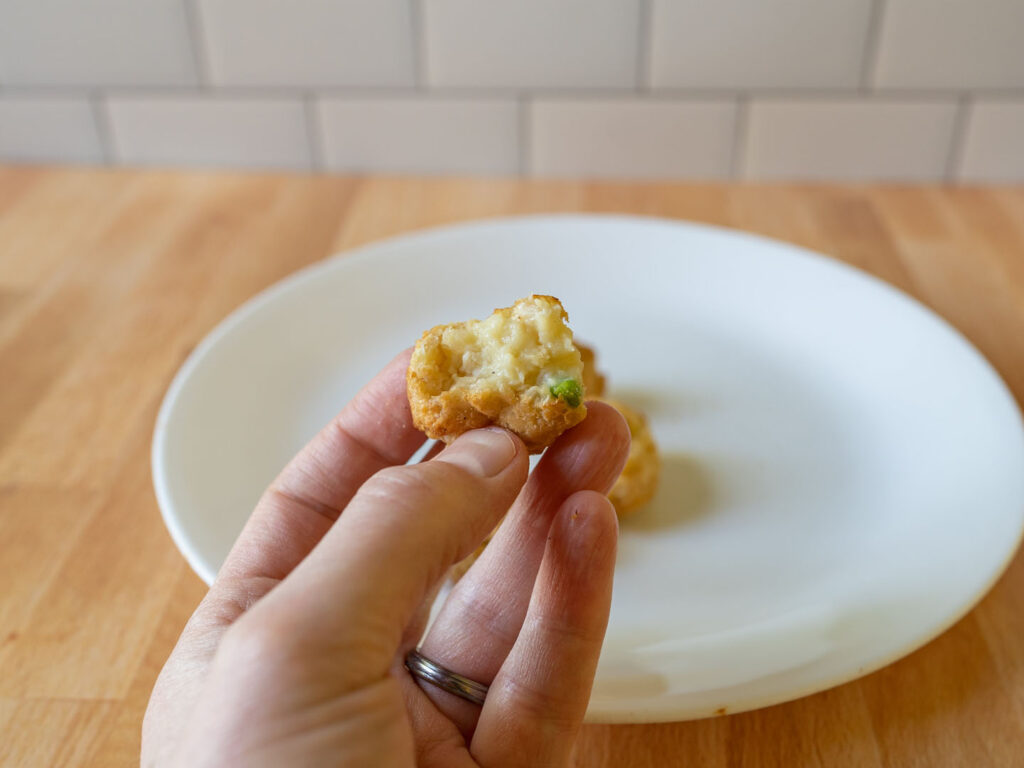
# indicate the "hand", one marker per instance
pixel 295 656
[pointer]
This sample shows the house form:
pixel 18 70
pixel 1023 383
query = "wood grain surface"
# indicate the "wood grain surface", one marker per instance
pixel 109 278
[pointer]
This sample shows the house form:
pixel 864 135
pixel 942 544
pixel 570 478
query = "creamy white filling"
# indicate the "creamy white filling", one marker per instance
pixel 532 348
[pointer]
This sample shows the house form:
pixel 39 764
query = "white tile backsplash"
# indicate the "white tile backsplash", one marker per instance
pixel 823 89
pixel 848 140
pixel 308 43
pixel 241 133
pixel 48 130
pixel 758 43
pixel 95 43
pixel 531 43
pixel 418 135
pixel 631 138
pixel 994 143
pixel 951 44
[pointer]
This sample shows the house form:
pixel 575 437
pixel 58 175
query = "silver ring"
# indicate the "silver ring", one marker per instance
pixel 425 669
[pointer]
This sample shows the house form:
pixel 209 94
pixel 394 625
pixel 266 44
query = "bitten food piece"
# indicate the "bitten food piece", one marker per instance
pixel 518 369
pixel 639 479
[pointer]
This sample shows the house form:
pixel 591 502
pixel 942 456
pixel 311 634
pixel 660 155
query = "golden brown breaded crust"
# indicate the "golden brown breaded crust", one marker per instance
pixel 467 375
pixel 639 479
pixel 593 380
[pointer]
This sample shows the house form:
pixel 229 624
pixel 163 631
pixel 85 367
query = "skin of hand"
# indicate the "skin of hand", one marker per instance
pixel 295 656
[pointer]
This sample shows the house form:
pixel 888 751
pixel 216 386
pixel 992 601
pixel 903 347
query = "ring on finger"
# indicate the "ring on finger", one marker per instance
pixel 425 669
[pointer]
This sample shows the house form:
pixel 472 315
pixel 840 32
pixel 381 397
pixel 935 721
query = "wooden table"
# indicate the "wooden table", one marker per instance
pixel 109 278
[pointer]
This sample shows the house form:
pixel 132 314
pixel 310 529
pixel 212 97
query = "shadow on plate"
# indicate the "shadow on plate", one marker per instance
pixel 684 494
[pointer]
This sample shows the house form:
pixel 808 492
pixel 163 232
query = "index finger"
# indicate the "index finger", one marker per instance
pixel 374 431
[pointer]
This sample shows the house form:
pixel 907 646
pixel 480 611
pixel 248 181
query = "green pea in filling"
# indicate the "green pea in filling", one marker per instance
pixel 568 390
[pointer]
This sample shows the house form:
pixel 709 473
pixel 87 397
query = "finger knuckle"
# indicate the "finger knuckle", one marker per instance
pixel 567 628
pixel 232 597
pixel 491 613
pixel 261 643
pixel 536 704
pixel 422 483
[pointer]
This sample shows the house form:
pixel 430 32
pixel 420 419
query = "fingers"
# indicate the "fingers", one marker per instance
pixel 373 431
pixel 362 584
pixel 536 703
pixel 480 621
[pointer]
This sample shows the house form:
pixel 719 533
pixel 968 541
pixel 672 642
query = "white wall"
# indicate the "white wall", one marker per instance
pixel 809 89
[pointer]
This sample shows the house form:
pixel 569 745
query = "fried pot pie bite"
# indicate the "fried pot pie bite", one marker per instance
pixel 639 479
pixel 593 380
pixel 519 369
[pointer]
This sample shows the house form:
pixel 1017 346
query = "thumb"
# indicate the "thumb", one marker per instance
pixel 404 528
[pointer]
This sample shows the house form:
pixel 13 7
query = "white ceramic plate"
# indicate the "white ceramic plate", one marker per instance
pixel 842 470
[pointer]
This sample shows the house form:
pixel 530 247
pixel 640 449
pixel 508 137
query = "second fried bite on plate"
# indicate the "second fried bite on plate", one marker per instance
pixel 639 479
pixel 518 369
pixel 593 380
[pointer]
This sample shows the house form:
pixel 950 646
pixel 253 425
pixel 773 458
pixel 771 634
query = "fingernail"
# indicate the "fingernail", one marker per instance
pixel 588 529
pixel 484 452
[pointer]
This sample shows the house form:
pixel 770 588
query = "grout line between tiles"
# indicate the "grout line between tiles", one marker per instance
pixel 956 142
pixel 47 91
pixel 739 137
pixel 525 138
pixel 660 94
pixel 419 43
pixel 870 60
pixel 196 33
pixel 314 132
pixel 643 45
pixel 104 126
